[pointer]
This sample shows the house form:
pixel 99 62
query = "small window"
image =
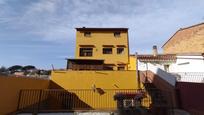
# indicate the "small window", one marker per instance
pixel 87 34
pixel 166 68
pixel 107 50
pixel 120 50
pixel 108 68
pixel 86 52
pixel 121 68
pixel 116 34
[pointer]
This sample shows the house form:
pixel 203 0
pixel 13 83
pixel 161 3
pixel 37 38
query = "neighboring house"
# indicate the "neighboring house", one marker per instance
pixel 186 40
pixel 185 67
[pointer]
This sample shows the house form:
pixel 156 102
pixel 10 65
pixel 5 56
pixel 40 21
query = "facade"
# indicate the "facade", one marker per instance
pixel 108 44
pixel 186 40
pixel 184 67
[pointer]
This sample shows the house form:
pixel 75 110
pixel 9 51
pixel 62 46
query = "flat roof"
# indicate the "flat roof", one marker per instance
pixel 101 29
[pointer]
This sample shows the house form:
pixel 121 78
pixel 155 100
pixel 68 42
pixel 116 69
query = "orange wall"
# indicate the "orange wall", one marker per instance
pixel 99 79
pixel 10 87
pixel 108 82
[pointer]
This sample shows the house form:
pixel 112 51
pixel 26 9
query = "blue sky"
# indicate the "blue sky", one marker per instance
pixel 41 32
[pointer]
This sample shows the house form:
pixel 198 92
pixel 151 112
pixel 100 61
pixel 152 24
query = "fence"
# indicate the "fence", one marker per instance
pixel 98 99
pixel 197 77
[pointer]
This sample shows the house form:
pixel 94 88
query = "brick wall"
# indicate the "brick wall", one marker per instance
pixel 187 40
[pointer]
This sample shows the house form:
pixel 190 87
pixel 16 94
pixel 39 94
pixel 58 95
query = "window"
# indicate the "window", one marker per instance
pixel 108 68
pixel 117 34
pixel 121 68
pixel 166 68
pixel 127 103
pixel 120 50
pixel 107 50
pixel 86 52
pixel 87 34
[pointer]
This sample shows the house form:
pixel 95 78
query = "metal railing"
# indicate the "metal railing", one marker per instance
pixel 31 100
pixel 190 76
pixel 85 67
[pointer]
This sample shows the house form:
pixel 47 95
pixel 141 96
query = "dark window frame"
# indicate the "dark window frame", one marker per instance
pixel 87 34
pixel 84 52
pixel 117 34
pixel 119 51
pixel 121 68
pixel 107 52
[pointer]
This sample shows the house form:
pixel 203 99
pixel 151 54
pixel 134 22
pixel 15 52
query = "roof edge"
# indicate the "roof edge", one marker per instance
pixel 102 29
pixel 181 29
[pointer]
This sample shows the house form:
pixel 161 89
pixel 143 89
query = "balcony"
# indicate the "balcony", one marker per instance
pixel 85 64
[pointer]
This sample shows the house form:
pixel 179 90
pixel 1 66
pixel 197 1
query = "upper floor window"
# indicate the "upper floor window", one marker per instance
pixel 86 52
pixel 120 50
pixel 107 50
pixel 116 34
pixel 87 34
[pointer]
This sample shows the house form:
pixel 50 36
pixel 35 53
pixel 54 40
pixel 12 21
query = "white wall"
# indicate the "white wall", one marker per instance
pixel 159 70
pixel 187 68
pixel 146 66
pixel 187 64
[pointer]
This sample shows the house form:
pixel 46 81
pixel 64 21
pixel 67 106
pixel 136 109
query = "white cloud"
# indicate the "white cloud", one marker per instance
pixel 150 22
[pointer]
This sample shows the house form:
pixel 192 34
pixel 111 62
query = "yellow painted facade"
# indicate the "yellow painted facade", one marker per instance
pixel 98 79
pixel 110 82
pixel 132 63
pixel 104 38
pixel 11 86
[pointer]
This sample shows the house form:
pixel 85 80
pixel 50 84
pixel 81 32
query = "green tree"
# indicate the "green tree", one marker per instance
pixel 15 68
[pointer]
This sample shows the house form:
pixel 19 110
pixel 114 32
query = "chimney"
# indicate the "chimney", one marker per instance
pixel 155 52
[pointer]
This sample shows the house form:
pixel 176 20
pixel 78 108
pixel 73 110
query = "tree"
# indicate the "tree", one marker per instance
pixel 3 69
pixel 28 67
pixel 15 68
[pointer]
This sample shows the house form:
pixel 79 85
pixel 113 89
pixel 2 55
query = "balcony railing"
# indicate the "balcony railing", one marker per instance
pixel 50 100
pixel 86 67
pixel 197 77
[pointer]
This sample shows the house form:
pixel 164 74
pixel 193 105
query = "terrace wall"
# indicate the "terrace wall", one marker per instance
pixel 96 81
pixel 10 87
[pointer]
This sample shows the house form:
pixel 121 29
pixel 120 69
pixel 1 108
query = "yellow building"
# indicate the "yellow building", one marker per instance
pixel 100 55
pixel 107 44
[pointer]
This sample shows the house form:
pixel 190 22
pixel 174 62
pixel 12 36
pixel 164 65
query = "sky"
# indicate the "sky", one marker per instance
pixel 42 32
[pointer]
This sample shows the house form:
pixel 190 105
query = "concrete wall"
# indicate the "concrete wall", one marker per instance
pixel 186 40
pixel 103 85
pixel 158 70
pixel 188 64
pixel 99 79
pixel 10 87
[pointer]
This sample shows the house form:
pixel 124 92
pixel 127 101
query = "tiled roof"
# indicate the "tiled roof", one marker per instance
pixel 160 57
